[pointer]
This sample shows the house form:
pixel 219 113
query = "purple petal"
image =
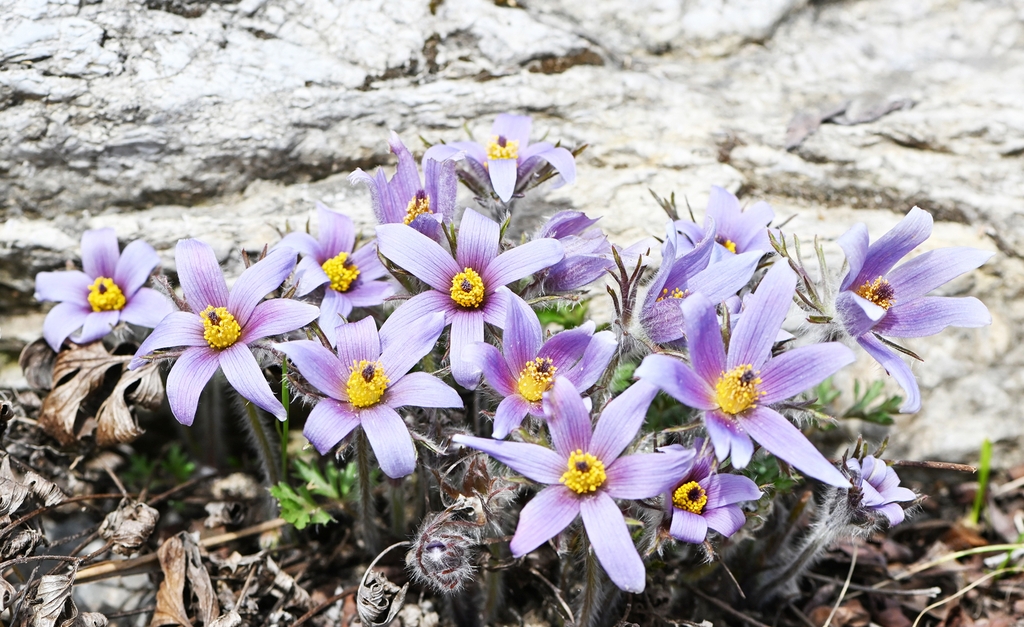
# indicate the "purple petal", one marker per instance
pixel 594 362
pixel 522 338
pixel 677 380
pixel 931 314
pixel 544 517
pixel 370 293
pixel 522 261
pixel 358 341
pixel 277 316
pixel 178 328
pixel 568 419
pixel 530 460
pixel 409 313
pixel 894 512
pixel 932 269
pixel 857 314
pixel 310 275
pixel 755 333
pixel 509 415
pixel 800 369
pixel 200 275
pixel 503 177
pixel 644 476
pixel 403 347
pixel 440 152
pixel 467 327
pixel 723 279
pixel 366 259
pixel 418 254
pixel 754 236
pixel 246 376
pixel 894 245
pixel 488 359
pixel 441 184
pixel 724 208
pixel 728 437
pixel 146 308
pixel 406 181
pixel 263 277
pixel 306 245
pixel 96 325
pixel 134 266
pixel 329 423
pixel 70 287
pixel 785 441
pixel 563 163
pixel 620 420
pixel 62 320
pixel 688 527
pixel 100 253
pixel 897 368
pixel 729 489
pixel 337 233
pixel 612 543
pixel 707 351
pixel 385 205
pixel 477 241
pixel 513 128
pixel 186 380
pixel 334 311
pixel 496 306
pixel 390 440
pixel 420 389
pixel 566 348
pixel 725 520
pixel 855 244
pixel 318 365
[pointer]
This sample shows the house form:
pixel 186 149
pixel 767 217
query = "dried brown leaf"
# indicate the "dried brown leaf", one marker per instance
pixel 7 594
pixel 12 495
pixel 77 374
pixel 20 544
pixel 129 526
pixel 181 561
pixel 51 595
pixel 36 361
pixel 45 491
pixel 231 619
pixel 115 423
pixel 87 619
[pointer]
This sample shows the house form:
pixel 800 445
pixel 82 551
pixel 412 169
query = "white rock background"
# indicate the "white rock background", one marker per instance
pixel 175 118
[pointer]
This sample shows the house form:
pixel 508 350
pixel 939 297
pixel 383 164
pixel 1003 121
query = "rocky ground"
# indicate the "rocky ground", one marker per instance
pixel 174 118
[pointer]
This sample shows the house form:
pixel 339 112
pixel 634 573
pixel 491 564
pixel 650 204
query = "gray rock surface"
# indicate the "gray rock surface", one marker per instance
pixel 173 118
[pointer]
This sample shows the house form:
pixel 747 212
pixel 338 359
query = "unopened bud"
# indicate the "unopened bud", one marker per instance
pixel 442 554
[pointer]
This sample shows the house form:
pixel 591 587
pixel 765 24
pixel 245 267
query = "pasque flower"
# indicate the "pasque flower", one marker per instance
pixel 405 199
pixel 878 488
pixel 587 251
pixel 467 289
pixel 876 299
pixel 509 160
pixel 108 291
pixel 527 366
pixel 739 230
pixel 366 381
pixel 221 325
pixel 350 277
pixel 585 473
pixel 735 390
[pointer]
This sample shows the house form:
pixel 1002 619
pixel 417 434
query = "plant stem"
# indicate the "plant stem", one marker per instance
pixel 397 495
pixel 370 538
pixel 266 453
pixel 282 427
pixel 979 497
pixel 592 593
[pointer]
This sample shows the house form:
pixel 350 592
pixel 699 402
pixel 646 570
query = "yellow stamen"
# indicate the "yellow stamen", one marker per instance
pixel 366 383
pixel 419 205
pixel 536 378
pixel 220 329
pixel 676 293
pixel 736 390
pixel 501 148
pixel 879 292
pixel 585 474
pixel 690 497
pixel 105 295
pixel 341 272
pixel 467 288
pixel 729 245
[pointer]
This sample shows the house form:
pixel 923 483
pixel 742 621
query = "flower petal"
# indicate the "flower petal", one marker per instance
pixel 309 274
pixel 729 489
pixel 337 233
pixel 366 259
pixel 467 327
pixel 178 328
pixel 612 543
pixel 70 286
pixel 390 440
pixel 513 128
pixel 562 161
pixel 688 527
pixel 318 365
pixel 565 348
pixel 134 266
pixel 534 462
pixel 931 314
pixel 893 512
pixel 707 351
pixel 932 269
pixel 100 253
pixel 620 420
pixel 521 340
pixel 503 177
pixel 357 341
pixel 723 279
pixel 370 293
pixel 568 419
pixel 304 244
pixel 440 152
pixel 329 423
pixel 478 241
pixel 801 369
pixel 421 389
pixel 488 359
pixel 509 415
pixel 754 335
pixel 725 520
pixel 594 362
pixel 546 515
pixel 406 181
pixel 911 231
pixel 522 261
pixel 277 316
pixel 645 475
pixel 409 313
pixel 418 254
pixel 62 321
pixel 855 244
pixel 334 309
pixel 785 441
pixel 258 280
pixel 897 368
pixel 677 380
pixel 146 308
pixel 246 376
pixel 728 437
pixel 186 380
pixel 857 314
pixel 200 275
pixel 402 347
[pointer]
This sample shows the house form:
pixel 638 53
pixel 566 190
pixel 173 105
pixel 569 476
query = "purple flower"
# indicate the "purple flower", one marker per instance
pixel 404 199
pixel 734 390
pixel 526 368
pixel 350 277
pixel 587 251
pixel 367 381
pixel 876 299
pixel 585 473
pixel 509 160
pixel 110 290
pixel 879 488
pixel 685 273
pixel 739 230
pixel 467 288
pixel 222 325
pixel 702 499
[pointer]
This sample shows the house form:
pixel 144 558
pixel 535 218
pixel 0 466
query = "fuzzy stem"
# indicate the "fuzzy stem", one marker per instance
pixel 266 453
pixel 282 427
pixel 494 594
pixel 370 537
pixel 397 495
pixel 591 595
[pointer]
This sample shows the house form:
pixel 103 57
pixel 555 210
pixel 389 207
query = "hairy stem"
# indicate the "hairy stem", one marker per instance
pixel 266 453
pixel 397 494
pixel 590 597
pixel 370 537
pixel 282 427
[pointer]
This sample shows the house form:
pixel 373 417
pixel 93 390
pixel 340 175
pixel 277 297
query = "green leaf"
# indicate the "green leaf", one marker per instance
pixel 567 316
pixel 622 378
pixel 298 507
pixel 315 481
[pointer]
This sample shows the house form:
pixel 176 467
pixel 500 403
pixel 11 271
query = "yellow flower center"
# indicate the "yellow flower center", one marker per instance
pixel 690 497
pixel 366 383
pixel 467 288
pixel 220 329
pixel 585 474
pixel 879 292
pixel 419 205
pixel 501 148
pixel 536 378
pixel 341 272
pixel 736 390
pixel 105 295
pixel 675 293
pixel 729 244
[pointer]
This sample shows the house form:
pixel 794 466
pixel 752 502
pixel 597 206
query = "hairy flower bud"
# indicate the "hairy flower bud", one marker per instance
pixel 442 553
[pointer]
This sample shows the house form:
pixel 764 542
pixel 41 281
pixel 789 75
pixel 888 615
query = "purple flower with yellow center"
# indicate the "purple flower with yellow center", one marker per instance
pixel 509 160
pixel 350 277
pixel 685 273
pixel 879 488
pixel 405 199
pixel 467 289
pixel 735 390
pixel 876 299
pixel 366 381
pixel 526 367
pixel 221 326
pixel 585 473
pixel 107 292
pixel 739 230
pixel 702 499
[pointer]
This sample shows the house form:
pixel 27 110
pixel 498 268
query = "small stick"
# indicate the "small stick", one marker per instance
pixel 846 586
pixel 326 604
pixel 554 590
pixel 71 499
pixel 929 592
pixel 725 607
pixel 934 465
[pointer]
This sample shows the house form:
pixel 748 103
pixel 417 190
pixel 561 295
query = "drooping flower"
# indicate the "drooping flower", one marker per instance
pixel 350 277
pixel 876 299
pixel 878 488
pixel 405 199
pixel 587 251
pixel 702 499
pixel 221 326
pixel 685 273
pixel 509 160
pixel 585 473
pixel 467 289
pixel 366 381
pixel 526 367
pixel 739 230
pixel 108 291
pixel 735 390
